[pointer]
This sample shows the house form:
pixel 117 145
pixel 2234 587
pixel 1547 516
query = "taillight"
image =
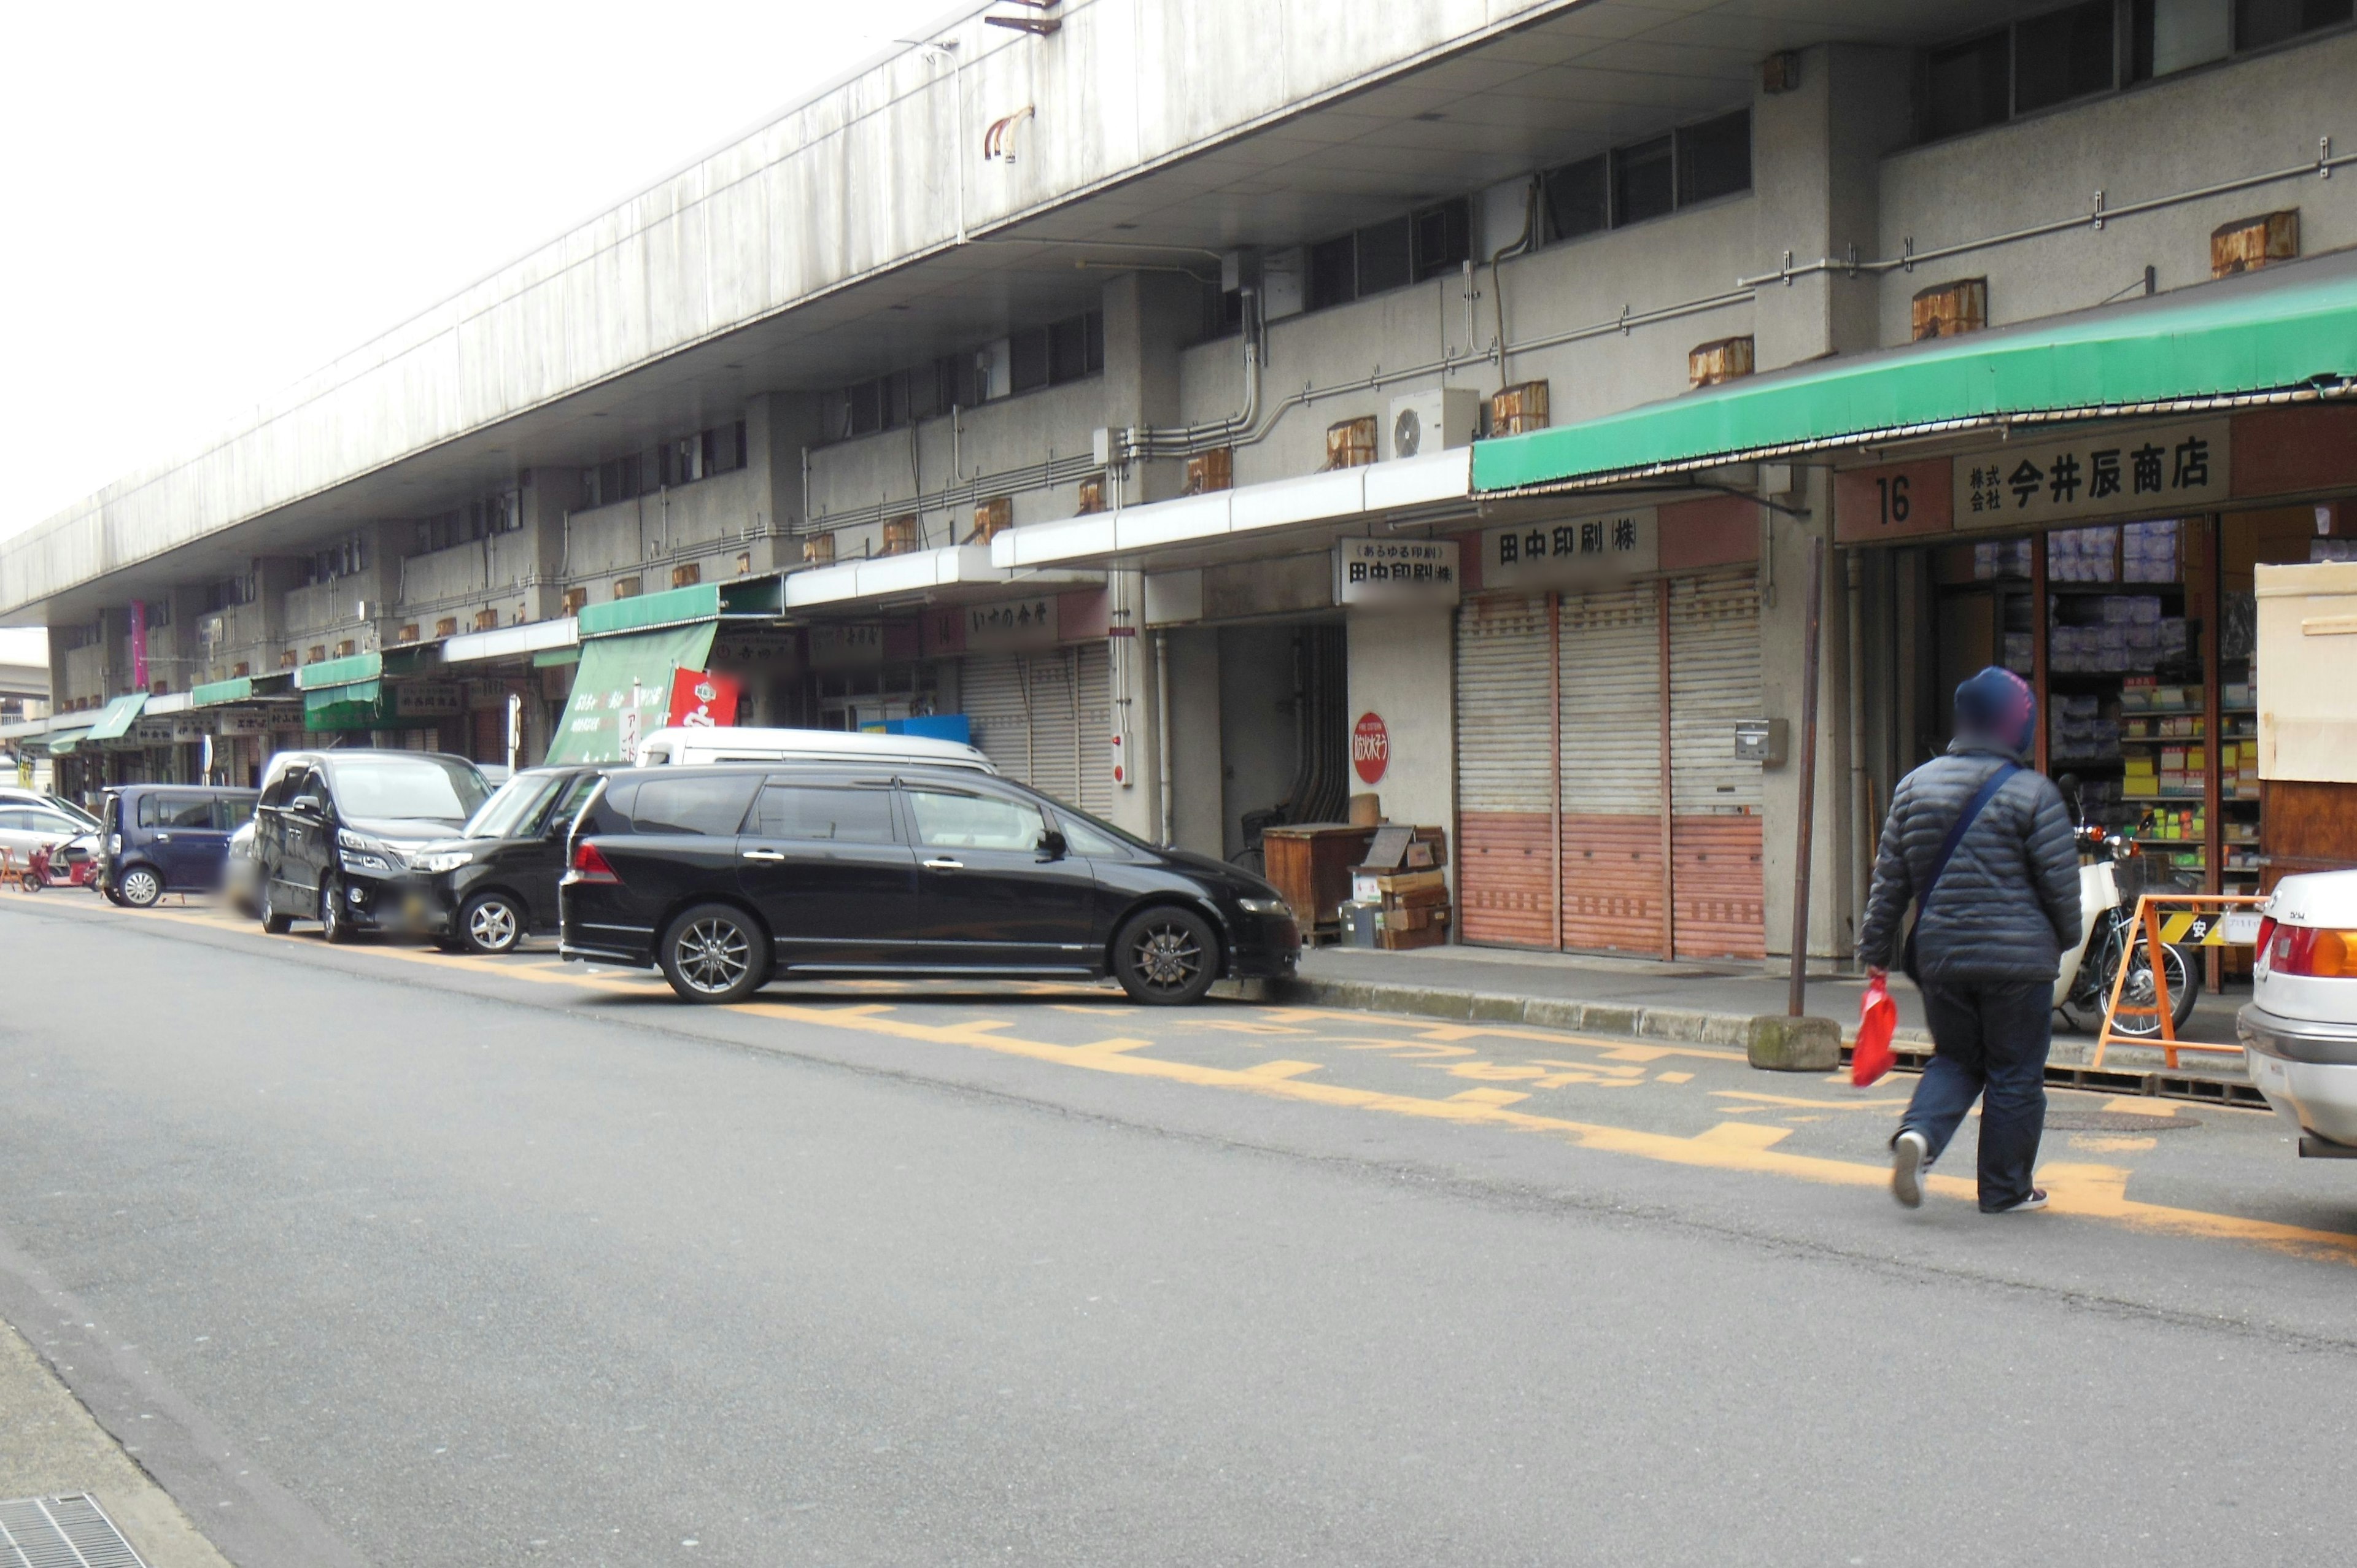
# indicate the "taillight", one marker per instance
pixel 2266 937
pixel 588 866
pixel 2325 951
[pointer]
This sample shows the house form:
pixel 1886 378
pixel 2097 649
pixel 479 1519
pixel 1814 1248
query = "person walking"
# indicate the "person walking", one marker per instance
pixel 1982 844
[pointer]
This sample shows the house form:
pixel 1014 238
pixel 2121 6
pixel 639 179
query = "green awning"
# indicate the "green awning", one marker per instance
pixel 646 612
pixel 61 743
pixel 357 704
pixel 2283 331
pixel 556 658
pixel 120 714
pixel 218 693
pixel 621 676
pixel 346 671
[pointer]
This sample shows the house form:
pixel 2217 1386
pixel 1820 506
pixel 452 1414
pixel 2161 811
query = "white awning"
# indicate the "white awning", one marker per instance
pixel 953 571
pixel 511 641
pixel 1440 483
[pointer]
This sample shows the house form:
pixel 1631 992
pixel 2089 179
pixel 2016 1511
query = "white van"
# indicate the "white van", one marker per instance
pixel 706 742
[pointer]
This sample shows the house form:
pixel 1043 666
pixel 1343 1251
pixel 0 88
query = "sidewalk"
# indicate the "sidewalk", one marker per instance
pixel 1711 1003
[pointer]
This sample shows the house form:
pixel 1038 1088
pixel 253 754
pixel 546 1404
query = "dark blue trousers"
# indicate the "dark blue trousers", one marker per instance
pixel 1991 1042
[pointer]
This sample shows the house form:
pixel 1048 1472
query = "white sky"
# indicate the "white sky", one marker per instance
pixel 206 202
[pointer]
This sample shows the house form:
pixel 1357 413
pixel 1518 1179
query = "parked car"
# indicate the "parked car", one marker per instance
pixel 17 795
pixel 168 838
pixel 496 882
pixel 725 877
pixel 335 830
pixel 240 885
pixel 26 828
pixel 728 742
pixel 2299 1028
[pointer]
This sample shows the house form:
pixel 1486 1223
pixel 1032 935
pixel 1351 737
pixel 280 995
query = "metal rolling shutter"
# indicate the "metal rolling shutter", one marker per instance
pixel 1055 724
pixel 1505 879
pixel 990 692
pixel 1097 787
pixel 1612 770
pixel 1715 799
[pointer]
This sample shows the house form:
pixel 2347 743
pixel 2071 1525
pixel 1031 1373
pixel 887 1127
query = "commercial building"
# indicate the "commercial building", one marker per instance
pixel 1173 390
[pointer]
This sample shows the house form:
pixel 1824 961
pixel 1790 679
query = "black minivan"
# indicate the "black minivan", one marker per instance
pixel 495 884
pixel 168 838
pixel 725 877
pixel 335 830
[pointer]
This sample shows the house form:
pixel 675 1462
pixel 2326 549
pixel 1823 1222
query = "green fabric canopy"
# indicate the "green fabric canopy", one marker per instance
pixel 120 714
pixel 349 670
pixel 622 675
pixel 61 743
pixel 217 693
pixel 2268 332
pixel 646 612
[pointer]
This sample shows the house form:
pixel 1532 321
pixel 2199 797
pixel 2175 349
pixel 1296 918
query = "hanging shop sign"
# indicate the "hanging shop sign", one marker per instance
pixel 1573 553
pixel 1899 500
pixel 176 729
pixel 851 645
pixel 241 721
pixel 1371 747
pixel 2102 471
pixel 1403 573
pixel 702 699
pixel 428 699
pixel 486 695
pixel 1015 625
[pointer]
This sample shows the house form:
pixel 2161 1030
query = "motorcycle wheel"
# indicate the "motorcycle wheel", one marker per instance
pixel 2184 986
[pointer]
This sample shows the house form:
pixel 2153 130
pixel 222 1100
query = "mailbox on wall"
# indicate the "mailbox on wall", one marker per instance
pixel 1761 741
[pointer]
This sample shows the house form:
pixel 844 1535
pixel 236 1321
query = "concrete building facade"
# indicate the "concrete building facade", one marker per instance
pixel 1064 379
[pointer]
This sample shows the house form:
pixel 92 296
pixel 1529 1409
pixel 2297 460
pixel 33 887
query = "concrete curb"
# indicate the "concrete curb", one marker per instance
pixel 1681 1026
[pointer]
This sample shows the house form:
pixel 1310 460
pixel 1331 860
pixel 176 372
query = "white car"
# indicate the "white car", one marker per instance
pixel 2300 1030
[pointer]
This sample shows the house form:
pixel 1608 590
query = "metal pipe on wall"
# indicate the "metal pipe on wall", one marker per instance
pixel 1168 809
pixel 1812 659
pixel 1860 850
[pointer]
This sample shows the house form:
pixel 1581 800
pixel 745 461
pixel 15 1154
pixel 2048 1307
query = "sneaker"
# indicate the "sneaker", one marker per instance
pixel 2030 1205
pixel 1909 1152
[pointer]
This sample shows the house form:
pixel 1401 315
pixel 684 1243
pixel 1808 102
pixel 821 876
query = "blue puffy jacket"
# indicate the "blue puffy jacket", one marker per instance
pixel 2008 906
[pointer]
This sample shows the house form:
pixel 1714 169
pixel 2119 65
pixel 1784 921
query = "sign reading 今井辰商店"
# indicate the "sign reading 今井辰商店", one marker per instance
pixel 2101 471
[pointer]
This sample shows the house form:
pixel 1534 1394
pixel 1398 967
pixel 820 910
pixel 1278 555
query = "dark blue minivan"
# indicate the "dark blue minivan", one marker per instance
pixel 168 838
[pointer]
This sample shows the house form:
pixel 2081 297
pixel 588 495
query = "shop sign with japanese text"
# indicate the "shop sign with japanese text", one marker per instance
pixel 1011 626
pixel 846 645
pixel 2102 471
pixel 1402 571
pixel 428 699
pixel 1573 552
pixel 241 721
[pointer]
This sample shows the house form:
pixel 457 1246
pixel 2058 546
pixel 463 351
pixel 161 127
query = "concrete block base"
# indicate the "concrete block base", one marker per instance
pixel 1777 1044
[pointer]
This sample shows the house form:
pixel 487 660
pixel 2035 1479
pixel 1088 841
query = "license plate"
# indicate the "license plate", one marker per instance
pixel 2271 1071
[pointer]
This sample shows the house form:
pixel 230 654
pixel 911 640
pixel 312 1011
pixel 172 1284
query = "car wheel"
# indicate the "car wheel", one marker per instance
pixel 334 924
pixel 1165 956
pixel 277 924
pixel 491 923
pixel 139 887
pixel 714 952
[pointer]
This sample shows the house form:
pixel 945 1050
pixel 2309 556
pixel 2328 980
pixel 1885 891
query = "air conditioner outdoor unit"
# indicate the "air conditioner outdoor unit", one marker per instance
pixel 1435 420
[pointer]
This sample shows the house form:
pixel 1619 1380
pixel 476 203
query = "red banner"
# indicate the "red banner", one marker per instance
pixel 700 698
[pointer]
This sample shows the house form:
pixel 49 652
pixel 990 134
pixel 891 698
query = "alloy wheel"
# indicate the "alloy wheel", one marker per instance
pixel 491 925
pixel 1166 955
pixel 713 955
pixel 141 888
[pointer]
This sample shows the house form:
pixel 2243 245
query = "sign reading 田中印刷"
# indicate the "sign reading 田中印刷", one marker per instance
pixel 1396 571
pixel 1571 552
pixel 2102 471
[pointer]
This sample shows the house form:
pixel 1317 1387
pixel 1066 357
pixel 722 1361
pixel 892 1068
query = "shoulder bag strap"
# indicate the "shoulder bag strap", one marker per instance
pixel 1987 793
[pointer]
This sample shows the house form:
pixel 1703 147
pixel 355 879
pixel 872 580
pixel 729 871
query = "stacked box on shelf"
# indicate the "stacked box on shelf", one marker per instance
pixel 2148 552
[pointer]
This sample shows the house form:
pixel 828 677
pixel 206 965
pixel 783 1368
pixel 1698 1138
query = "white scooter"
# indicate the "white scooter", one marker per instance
pixel 2108 913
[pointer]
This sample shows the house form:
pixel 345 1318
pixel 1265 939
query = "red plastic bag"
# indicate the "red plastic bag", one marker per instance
pixel 1878 1020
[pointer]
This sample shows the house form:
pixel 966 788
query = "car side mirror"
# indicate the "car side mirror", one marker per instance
pixel 1053 845
pixel 306 805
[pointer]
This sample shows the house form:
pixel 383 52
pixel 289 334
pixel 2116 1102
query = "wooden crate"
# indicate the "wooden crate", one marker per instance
pixel 902 536
pixel 818 550
pixel 1517 409
pixel 991 519
pixel 1093 495
pixel 686 575
pixel 1309 864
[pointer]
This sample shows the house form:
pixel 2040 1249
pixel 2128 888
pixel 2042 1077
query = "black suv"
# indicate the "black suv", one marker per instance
pixel 725 877
pixel 334 834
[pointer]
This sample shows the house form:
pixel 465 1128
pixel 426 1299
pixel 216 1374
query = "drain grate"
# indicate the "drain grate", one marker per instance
pixel 68 1531
pixel 2117 1121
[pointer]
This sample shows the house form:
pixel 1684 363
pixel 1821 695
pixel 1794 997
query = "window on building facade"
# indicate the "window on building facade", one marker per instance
pixel 345 558
pixel 1968 85
pixel 2063 55
pixel 1647 179
pixel 226 593
pixel 2261 23
pixel 1391 254
pixel 1046 355
pixel 682 460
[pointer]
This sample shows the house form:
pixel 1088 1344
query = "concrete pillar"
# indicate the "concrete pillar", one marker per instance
pixel 1815 153
pixel 1196 792
pixel 779 428
pixel 1401 669
pixel 1148 318
pixel 1783 635
pixel 549 496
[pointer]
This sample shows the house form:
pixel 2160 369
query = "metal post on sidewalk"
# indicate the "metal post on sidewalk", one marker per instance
pixel 1804 846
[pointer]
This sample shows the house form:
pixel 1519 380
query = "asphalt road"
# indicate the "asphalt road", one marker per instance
pixel 376 1256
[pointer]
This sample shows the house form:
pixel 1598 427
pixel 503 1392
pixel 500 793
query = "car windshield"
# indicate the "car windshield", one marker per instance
pixel 415 785
pixel 510 811
pixel 1087 835
pixel 61 805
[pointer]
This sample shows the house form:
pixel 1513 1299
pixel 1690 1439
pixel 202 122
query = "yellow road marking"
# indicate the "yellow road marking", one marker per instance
pixel 2137 1105
pixel 2112 1145
pixel 1117 1044
pixel 1488 1097
pixel 2086 1191
pixel 1804 1104
pixel 1673 1078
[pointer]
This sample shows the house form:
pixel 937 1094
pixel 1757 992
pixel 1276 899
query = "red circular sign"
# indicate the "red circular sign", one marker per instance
pixel 1371 747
